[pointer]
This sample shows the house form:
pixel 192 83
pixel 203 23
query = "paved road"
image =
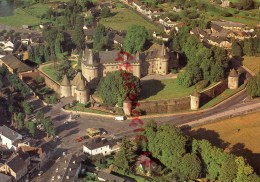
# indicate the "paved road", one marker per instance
pixel 69 132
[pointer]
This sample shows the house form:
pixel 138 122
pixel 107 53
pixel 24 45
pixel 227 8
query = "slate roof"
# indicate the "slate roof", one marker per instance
pixel 65 81
pixel 81 85
pixel 8 133
pixel 233 73
pixel 119 39
pixel 4 177
pixel 17 161
pixel 15 64
pixel 77 79
pixel 96 143
pixel 227 24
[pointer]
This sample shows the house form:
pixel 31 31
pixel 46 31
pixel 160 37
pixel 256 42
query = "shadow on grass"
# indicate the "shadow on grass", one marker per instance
pixel 150 88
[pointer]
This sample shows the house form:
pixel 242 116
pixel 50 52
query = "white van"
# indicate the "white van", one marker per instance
pixel 120 118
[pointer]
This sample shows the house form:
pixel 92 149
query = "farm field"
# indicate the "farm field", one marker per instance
pixel 123 18
pixel 239 135
pixel 252 63
pixel 25 16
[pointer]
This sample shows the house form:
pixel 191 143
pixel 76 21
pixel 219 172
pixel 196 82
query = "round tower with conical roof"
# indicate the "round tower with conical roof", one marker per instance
pixel 81 92
pixel 65 87
pixel 195 100
pixel 136 66
pixel 164 60
pixel 90 69
pixel 233 78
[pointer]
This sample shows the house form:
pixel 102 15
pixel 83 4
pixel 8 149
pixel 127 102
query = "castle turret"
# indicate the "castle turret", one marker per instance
pixel 164 59
pixel 136 66
pixel 127 106
pixel 195 100
pixel 65 87
pixel 90 69
pixel 75 82
pixel 82 94
pixel 233 78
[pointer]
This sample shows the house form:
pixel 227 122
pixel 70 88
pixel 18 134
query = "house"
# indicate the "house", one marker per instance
pixel 225 3
pixel 8 137
pixel 100 146
pixel 89 34
pixel 74 168
pixel 16 166
pixel 5 178
pixel 167 22
pixel 145 165
pixel 14 65
pixel 229 25
pixel 103 176
pixel 118 40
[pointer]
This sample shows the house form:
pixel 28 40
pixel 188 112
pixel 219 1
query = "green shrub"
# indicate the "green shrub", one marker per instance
pixel 174 70
pixel 202 84
pixel 39 79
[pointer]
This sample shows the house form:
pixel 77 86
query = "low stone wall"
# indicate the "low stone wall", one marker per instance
pixel 50 83
pixel 165 106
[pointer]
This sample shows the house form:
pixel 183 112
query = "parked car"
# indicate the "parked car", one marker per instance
pixel 120 118
pixel 40 173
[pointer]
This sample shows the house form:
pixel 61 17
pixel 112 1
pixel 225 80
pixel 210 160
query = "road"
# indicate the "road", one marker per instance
pixel 68 132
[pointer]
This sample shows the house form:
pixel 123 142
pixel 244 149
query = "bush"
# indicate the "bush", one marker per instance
pixel 39 79
pixel 174 70
pixel 202 84
pixel 226 14
pixel 236 11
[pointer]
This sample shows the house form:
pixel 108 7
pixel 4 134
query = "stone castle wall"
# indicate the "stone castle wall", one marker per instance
pixel 50 83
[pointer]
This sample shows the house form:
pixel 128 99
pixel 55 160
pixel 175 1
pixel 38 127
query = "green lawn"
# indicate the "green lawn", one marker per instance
pixel 252 63
pixel 50 71
pixel 124 17
pixel 164 89
pixel 226 94
pixel 25 16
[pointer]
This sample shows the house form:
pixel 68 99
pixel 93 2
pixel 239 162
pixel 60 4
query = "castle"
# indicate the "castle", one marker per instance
pixel 96 65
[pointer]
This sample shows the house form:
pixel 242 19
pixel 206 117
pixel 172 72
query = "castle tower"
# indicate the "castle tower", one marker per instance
pixel 127 106
pixel 195 100
pixel 65 87
pixel 164 59
pixel 233 78
pixel 75 82
pixel 90 70
pixel 81 92
pixel 137 66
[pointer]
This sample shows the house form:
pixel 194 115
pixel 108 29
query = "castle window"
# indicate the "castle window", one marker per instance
pixel 160 67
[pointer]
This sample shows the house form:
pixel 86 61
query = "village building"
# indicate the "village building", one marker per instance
pixel 104 176
pixel 5 178
pixel 8 137
pixel 100 146
pixel 16 166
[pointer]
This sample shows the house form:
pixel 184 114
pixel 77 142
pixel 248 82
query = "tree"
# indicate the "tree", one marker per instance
pixel 49 127
pixel 249 47
pixel 236 49
pixel 32 127
pixel 190 167
pixel 217 73
pixel 64 67
pixel 118 85
pixel 105 12
pixel 27 108
pixel 136 39
pixel 39 116
pixel 184 79
pixel 58 45
pixel 99 37
pixel 125 156
pixel 253 86
pixel 20 119
pixel 78 36
pixel 245 4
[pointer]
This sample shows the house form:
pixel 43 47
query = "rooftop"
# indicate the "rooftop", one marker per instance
pixel 9 133
pixel 15 64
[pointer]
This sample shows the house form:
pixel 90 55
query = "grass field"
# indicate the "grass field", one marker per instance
pixel 123 18
pixel 225 134
pixel 252 63
pixel 164 89
pixel 25 16
pixel 49 70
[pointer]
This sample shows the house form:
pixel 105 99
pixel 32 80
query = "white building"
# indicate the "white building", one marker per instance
pixel 8 137
pixel 100 146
